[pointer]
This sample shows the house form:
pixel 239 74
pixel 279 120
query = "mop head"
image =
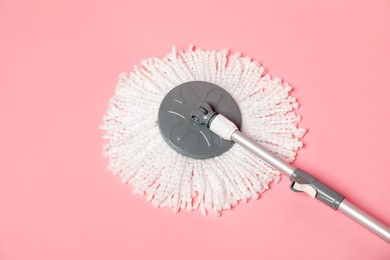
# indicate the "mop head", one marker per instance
pixel 139 155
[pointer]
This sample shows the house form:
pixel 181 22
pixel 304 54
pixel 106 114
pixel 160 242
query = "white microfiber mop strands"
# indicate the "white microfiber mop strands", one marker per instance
pixel 139 155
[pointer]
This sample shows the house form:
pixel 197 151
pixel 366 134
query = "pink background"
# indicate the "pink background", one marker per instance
pixel 59 62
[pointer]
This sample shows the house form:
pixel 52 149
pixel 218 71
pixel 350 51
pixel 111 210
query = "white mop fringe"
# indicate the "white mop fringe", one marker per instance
pixel 140 156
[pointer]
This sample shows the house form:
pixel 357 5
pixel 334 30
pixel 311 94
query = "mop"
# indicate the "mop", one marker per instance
pixel 207 130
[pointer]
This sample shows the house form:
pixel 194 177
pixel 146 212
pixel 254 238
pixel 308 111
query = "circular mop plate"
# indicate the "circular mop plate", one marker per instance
pixel 182 133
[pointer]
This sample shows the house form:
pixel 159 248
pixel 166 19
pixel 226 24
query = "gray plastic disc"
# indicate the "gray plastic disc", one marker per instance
pixel 182 133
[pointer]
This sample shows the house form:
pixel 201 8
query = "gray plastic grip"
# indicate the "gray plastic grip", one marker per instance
pixel 324 193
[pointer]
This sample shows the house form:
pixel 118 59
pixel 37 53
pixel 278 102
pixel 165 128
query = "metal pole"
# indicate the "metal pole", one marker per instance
pixel 222 126
pixel 267 156
pixel 345 207
pixel 352 211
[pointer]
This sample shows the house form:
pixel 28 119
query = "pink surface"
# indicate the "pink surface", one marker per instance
pixel 59 63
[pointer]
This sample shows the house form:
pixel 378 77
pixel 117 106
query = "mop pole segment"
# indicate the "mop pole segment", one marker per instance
pixel 301 180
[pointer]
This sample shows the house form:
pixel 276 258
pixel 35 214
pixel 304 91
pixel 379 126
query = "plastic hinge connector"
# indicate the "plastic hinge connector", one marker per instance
pixel 324 193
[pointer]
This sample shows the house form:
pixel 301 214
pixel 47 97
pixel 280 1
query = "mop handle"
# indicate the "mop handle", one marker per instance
pixel 303 181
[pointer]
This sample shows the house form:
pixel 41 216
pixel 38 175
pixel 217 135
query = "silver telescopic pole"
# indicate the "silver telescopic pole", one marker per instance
pixel 301 180
pixel 352 211
pixel 261 152
pixel 345 206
